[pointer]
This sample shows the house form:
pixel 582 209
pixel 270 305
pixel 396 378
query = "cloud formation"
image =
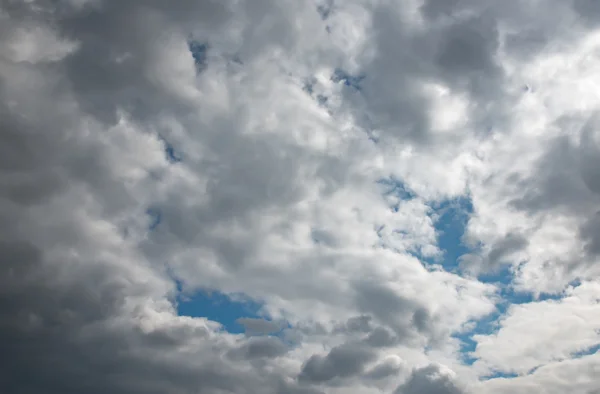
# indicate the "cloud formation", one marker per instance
pixel 300 155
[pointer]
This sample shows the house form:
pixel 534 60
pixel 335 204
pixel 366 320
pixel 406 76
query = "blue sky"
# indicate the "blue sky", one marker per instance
pixel 219 307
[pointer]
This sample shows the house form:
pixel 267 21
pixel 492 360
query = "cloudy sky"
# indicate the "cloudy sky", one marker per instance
pixel 300 196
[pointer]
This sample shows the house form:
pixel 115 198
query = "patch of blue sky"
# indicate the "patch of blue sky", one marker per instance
pixel 395 187
pixel 515 297
pixel 199 52
pixel 219 307
pixel 503 278
pixel 352 81
pixel 213 305
pixel 467 347
pixel 490 324
pixel 484 326
pixel 172 155
pixel 451 218
pixel 450 221
pixel 500 375
pixel 587 352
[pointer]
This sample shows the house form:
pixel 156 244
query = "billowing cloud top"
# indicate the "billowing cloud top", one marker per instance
pixel 283 196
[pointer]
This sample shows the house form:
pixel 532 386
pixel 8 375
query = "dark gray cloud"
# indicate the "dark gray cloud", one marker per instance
pixel 506 246
pixel 56 334
pixel 497 254
pixel 460 53
pixel 71 331
pixel 556 184
pixel 590 235
pixel 429 380
pixel 383 370
pixel 588 10
pixel 468 48
pixel 436 8
pixel 566 181
pixel 343 361
pixel 359 324
pixel 260 347
pixel 404 316
pixel 381 337
pixel 77 301
pixel 255 326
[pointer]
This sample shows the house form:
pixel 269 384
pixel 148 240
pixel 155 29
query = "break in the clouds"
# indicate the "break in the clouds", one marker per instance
pixel 299 197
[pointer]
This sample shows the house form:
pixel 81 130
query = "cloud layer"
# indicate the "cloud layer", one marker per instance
pixel 312 157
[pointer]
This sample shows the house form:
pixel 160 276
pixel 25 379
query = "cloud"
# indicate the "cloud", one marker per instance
pixel 429 380
pixel 498 253
pixel 342 361
pixel 295 154
pixel 576 375
pixel 266 347
pixel 538 327
pixel 259 326
pixel 389 367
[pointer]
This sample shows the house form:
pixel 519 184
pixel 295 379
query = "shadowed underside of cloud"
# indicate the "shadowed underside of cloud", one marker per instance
pixel 299 197
pixel 429 380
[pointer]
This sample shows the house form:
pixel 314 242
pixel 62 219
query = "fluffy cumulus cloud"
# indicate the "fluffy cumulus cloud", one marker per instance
pixel 386 196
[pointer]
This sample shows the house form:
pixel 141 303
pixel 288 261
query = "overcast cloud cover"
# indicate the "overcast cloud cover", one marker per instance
pixel 313 158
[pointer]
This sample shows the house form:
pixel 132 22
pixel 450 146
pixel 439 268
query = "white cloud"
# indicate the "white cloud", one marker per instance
pixel 535 334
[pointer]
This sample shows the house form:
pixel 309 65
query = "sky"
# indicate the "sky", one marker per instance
pixel 300 197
